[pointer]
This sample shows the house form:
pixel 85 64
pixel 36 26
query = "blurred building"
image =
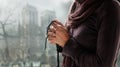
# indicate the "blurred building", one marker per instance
pixel 29 30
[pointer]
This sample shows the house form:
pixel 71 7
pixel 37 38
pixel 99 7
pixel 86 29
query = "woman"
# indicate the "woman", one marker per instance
pixel 91 35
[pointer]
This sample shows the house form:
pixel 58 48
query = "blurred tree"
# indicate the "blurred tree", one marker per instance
pixel 3 25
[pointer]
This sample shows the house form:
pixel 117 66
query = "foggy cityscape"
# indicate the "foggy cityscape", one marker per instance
pixel 23 25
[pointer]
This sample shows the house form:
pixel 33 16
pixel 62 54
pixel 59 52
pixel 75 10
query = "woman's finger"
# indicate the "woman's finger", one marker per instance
pixel 51 34
pixel 52 29
pixel 57 26
pixel 51 37
pixel 52 41
pixel 57 22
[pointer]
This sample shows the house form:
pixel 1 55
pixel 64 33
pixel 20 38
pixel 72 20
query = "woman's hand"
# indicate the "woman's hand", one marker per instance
pixel 58 34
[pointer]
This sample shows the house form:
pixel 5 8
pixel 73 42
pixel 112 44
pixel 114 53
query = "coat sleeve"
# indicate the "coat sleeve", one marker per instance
pixel 106 47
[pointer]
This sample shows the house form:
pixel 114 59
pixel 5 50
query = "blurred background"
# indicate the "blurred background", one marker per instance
pixel 23 25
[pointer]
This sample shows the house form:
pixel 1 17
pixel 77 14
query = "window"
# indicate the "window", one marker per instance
pixel 23 25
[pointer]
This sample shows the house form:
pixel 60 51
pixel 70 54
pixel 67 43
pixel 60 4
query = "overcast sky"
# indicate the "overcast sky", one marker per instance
pixel 8 5
pixel 45 4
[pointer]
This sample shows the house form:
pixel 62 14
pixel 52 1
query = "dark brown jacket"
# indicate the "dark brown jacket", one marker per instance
pixel 95 42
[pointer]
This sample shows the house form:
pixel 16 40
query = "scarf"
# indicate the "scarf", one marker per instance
pixel 81 10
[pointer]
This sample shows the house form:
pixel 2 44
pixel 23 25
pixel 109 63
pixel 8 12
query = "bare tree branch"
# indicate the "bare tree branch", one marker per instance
pixel 5 22
pixel 11 22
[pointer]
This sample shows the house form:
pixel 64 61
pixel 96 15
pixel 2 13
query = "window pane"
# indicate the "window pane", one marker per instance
pixel 23 26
